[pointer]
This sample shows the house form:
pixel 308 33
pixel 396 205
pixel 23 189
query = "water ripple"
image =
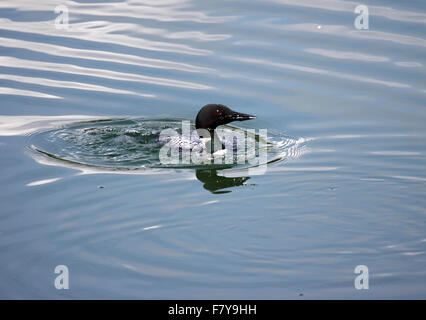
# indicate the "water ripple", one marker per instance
pixel 99 73
pixel 98 55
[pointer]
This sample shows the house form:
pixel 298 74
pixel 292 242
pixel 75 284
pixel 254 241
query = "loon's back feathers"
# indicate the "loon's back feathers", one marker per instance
pixel 183 143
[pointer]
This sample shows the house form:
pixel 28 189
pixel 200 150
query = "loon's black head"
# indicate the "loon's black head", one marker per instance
pixel 213 115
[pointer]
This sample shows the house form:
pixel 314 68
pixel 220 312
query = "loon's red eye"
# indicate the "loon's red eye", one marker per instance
pixel 218 112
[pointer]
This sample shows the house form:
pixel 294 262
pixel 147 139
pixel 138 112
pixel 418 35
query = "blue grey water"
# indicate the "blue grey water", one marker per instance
pixel 355 194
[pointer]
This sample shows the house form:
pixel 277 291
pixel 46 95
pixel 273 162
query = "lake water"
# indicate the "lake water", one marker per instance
pixel 352 193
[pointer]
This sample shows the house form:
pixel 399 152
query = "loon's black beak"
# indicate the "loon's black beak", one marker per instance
pixel 237 116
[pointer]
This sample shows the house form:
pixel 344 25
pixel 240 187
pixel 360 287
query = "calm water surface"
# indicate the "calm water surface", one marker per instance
pixel 353 193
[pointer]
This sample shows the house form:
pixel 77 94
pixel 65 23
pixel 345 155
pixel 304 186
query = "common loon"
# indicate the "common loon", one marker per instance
pixel 208 119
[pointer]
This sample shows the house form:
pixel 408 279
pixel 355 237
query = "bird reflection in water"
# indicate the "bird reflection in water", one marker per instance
pixel 215 183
